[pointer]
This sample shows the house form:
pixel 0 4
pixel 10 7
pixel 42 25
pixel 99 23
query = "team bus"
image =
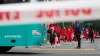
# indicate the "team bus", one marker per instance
pixel 33 34
pixel 22 35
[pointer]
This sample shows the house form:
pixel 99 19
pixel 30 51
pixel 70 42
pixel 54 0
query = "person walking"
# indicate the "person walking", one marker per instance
pixel 91 35
pixel 86 34
pixel 51 31
pixel 77 33
pixel 58 31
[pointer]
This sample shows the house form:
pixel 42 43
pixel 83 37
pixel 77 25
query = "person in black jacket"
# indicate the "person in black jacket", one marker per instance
pixel 51 32
pixel 91 35
pixel 77 33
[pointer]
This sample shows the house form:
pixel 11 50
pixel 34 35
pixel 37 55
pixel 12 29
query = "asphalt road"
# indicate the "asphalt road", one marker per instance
pixel 87 49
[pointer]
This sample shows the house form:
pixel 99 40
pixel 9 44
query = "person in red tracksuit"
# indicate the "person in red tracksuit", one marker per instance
pixel 69 35
pixel 86 34
pixel 63 34
pixel 75 38
pixel 58 31
pixel 56 36
pixel 95 34
pixel 51 31
pixel 72 32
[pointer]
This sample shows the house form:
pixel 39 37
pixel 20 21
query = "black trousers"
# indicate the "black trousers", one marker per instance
pixel 79 40
pixel 92 39
pixel 52 38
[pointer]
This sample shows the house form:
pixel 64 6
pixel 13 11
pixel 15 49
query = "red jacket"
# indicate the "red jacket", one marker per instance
pixel 95 34
pixel 86 32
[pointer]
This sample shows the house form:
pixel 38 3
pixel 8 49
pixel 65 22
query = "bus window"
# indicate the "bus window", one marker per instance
pixel 13 1
pixel 45 25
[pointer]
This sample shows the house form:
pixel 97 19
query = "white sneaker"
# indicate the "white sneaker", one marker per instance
pixel 51 46
pixel 76 42
pixel 40 46
pixel 70 43
pixel 67 43
pixel 58 44
pixel 64 43
pixel 54 46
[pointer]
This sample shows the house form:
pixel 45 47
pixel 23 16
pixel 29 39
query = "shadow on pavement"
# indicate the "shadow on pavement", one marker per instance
pixel 21 53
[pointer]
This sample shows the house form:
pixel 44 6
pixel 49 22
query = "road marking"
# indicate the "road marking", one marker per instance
pixel 91 49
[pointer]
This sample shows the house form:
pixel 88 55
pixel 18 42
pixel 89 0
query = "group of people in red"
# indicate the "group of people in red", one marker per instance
pixel 56 33
pixel 86 34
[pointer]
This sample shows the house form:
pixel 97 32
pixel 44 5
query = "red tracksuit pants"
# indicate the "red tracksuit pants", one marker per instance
pixel 69 38
pixel 86 36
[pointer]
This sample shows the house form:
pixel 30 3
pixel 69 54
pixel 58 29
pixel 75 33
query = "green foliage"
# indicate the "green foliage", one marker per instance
pixel 65 24
pixel 95 24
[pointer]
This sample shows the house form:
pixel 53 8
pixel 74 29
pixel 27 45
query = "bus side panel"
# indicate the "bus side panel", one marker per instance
pixel 12 35
pixel 44 33
pixel 34 34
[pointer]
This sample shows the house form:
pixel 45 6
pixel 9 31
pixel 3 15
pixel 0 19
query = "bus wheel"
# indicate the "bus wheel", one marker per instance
pixel 4 49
